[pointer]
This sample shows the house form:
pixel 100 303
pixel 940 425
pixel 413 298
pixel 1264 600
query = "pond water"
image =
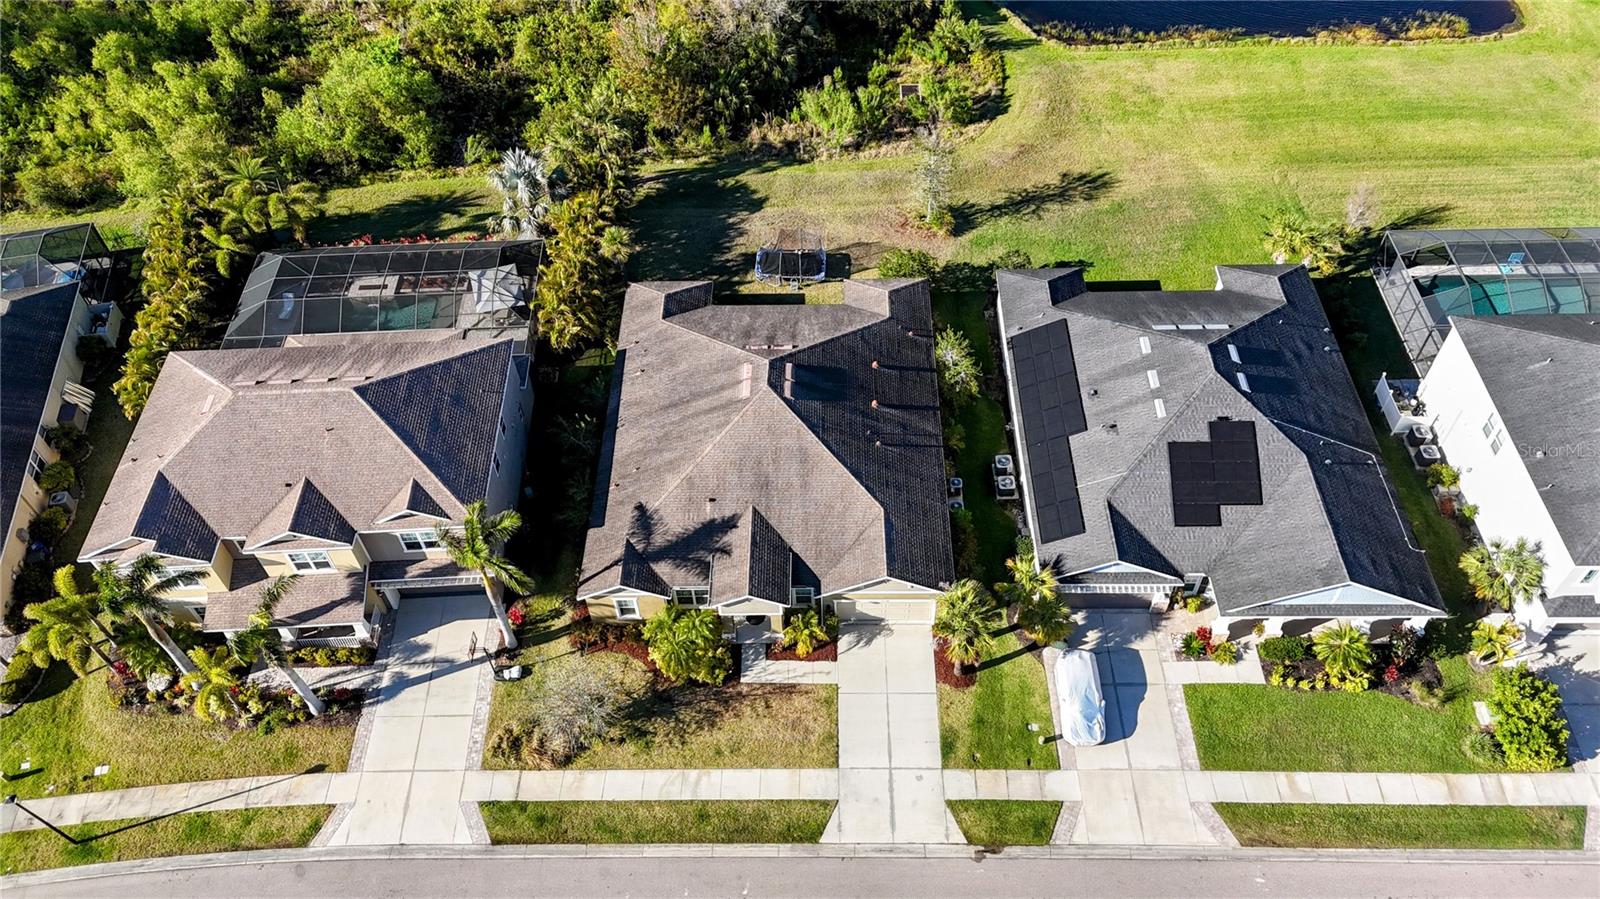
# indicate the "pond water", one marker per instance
pixel 1276 17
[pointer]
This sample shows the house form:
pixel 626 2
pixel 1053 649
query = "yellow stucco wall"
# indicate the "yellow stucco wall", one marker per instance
pixel 603 607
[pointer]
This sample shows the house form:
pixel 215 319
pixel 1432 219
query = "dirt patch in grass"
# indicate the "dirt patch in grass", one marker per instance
pixel 685 821
pixel 285 827
pixel 1006 822
pixel 1309 826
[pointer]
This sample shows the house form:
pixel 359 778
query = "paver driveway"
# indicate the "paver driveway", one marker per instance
pixel 891 788
pixel 412 771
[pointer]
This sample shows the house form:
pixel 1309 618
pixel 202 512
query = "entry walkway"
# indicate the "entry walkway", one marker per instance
pixel 891 788
pixel 419 747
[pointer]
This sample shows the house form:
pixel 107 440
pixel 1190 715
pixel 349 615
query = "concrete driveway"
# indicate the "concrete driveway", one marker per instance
pixel 1572 660
pixel 1133 789
pixel 891 787
pixel 417 752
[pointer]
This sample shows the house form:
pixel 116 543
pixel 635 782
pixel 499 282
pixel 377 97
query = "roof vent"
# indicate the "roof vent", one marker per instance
pixel 874 363
pixel 1326 348
pixel 874 404
pixel 744 381
pixel 206 406
pixel 1109 426
pixel 1154 379
pixel 1538 454
pixel 1094 391
pixel 1161 409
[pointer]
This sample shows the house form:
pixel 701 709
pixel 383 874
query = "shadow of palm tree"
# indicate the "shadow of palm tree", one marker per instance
pixel 1031 201
pixel 419 214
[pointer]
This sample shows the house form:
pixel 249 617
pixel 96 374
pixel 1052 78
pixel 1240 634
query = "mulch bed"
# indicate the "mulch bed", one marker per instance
pixel 827 652
pixel 944 670
pixel 1418 671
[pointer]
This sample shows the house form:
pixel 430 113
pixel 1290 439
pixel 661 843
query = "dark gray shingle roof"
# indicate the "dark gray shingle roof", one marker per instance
pixel 31 329
pixel 1327 515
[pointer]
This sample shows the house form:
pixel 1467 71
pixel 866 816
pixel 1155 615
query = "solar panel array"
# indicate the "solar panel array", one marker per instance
pixel 1046 380
pixel 1207 475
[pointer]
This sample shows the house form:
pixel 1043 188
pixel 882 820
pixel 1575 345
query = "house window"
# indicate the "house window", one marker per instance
pixel 1498 441
pixel 626 608
pixel 184 580
pixel 502 427
pixel 495 459
pixel 1489 427
pixel 417 541
pixel 691 596
pixel 1590 575
pixel 35 465
pixel 312 561
pixel 802 596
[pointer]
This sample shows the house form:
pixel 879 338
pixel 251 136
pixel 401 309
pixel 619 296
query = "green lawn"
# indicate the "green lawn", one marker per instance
pixel 195 833
pixel 1158 164
pixel 986 725
pixel 1006 822
pixel 71 726
pixel 1404 826
pixel 1240 727
pixel 686 821
pixel 108 431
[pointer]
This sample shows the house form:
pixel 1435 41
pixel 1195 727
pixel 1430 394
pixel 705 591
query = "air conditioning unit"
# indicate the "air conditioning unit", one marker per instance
pixel 1005 487
pixel 1419 435
pixel 1428 454
pixel 65 500
pixel 958 504
pixel 1003 464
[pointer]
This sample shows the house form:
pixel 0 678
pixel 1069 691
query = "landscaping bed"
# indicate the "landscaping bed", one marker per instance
pixel 827 652
pixel 194 833
pixel 1244 727
pixel 1312 826
pixel 685 821
pixel 1005 822
pixel 73 725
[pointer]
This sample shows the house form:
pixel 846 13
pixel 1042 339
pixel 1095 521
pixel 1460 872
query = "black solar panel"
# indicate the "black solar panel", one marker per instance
pixel 1052 410
pixel 1224 471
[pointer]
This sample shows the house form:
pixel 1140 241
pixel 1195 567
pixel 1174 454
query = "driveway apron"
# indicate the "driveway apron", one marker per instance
pixel 411 777
pixel 891 788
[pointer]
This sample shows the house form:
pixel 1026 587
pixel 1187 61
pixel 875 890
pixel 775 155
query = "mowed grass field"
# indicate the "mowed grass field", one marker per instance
pixel 1157 164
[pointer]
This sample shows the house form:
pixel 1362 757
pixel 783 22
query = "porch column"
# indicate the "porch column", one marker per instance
pixel 363 630
pixel 287 633
pixel 1274 627
pixel 391 597
pixel 1364 625
pixel 1223 627
pixel 1417 623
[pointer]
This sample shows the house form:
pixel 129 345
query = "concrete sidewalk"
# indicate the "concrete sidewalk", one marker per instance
pixel 756 668
pixel 199 796
pixel 1331 787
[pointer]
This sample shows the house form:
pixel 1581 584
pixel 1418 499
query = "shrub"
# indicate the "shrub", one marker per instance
pixel 1283 649
pixel 1225 653
pixel 959 374
pixel 1485 748
pixel 805 632
pixel 48 526
pixel 900 263
pixel 1193 604
pixel 1441 474
pixel 1528 721
pixel 21 675
pixel 964 540
pixel 1343 649
pixel 1467 511
pixel 686 644
pixel 69 440
pixel 1404 641
pixel 57 476
pixel 1445 637
pixel 1193 647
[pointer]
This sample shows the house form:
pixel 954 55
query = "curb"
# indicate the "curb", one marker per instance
pixel 785 850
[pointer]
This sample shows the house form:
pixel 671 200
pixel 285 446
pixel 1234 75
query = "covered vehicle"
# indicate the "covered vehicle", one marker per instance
pixel 1083 707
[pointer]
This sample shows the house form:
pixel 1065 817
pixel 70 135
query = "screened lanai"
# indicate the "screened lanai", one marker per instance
pixel 49 256
pixel 1428 276
pixel 461 286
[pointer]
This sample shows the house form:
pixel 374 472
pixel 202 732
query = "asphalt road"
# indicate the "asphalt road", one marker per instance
pixel 866 877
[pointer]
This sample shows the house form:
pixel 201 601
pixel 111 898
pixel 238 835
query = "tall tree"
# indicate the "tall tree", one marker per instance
pixel 934 169
pixel 65 627
pixel 965 615
pixel 1505 575
pixel 261 640
pixel 476 547
pixel 525 194
pixel 134 594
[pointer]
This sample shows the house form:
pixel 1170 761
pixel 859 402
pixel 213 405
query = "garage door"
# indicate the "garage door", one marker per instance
pixel 867 611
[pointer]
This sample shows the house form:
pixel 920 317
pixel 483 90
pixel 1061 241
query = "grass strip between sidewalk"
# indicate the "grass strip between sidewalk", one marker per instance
pixel 1006 822
pixel 1311 826
pixel 672 821
pixel 194 833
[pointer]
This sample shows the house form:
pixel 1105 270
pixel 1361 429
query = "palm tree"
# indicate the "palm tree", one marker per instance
pixel 476 547
pixel 1491 643
pixel 966 613
pixel 805 632
pixel 1028 581
pixel 687 644
pixel 135 594
pixel 1504 575
pixel 213 679
pixel 525 194
pixel 261 640
pixel 1343 649
pixel 65 627
pixel 1046 618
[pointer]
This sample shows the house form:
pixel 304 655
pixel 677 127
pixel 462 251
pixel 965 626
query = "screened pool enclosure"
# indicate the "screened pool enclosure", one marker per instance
pixel 478 285
pixel 71 254
pixel 1427 276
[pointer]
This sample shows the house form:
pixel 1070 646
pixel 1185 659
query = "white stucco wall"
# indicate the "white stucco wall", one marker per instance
pixel 1509 503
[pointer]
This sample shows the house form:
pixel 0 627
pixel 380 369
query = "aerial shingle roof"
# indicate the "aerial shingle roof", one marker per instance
pixel 1155 369
pixel 252 444
pixel 753 447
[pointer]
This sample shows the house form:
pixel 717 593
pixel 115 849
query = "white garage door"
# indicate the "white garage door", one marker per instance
pixel 866 611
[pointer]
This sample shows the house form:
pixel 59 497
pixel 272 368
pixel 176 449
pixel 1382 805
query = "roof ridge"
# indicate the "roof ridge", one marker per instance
pixel 1501 321
pixel 710 445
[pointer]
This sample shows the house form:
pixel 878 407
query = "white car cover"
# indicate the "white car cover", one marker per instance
pixel 1083 708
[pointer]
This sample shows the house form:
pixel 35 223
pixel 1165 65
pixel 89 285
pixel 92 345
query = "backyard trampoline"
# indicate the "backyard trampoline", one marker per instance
pixel 793 257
